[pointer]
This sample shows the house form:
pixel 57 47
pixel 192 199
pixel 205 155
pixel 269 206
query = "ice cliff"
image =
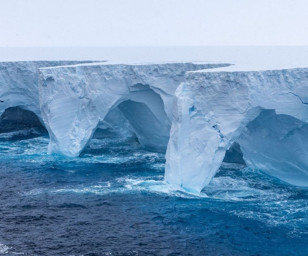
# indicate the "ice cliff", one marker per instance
pixel 198 112
pixel 265 112
pixel 76 99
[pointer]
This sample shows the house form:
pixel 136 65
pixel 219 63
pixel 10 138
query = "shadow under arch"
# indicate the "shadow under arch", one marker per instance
pixel 277 144
pixel 15 119
pixel 234 155
pixel 139 117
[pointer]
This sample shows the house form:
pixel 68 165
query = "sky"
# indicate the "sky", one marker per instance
pixel 83 23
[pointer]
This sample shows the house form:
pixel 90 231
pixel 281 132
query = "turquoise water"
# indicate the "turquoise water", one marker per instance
pixel 112 200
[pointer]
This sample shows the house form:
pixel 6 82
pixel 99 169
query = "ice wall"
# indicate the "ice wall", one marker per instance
pixel 75 99
pixel 215 109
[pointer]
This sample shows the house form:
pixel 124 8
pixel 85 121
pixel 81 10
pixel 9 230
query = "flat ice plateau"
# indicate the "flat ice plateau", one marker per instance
pixel 194 110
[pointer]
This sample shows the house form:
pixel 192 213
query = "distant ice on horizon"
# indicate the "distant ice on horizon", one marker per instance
pixel 244 58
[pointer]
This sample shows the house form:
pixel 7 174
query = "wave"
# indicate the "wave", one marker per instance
pixel 242 192
pixel 4 249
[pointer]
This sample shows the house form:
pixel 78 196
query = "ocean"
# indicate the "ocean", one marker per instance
pixel 112 200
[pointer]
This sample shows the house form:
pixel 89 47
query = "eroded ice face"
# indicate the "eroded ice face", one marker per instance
pixel 215 109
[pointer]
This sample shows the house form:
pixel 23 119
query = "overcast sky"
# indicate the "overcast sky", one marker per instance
pixel 153 22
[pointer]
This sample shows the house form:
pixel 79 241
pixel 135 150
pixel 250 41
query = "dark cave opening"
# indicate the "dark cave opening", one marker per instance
pixel 21 123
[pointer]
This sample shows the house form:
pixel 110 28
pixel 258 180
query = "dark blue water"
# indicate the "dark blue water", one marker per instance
pixel 112 201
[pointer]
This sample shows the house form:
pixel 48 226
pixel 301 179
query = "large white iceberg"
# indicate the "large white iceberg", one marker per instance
pixel 199 112
pixel 266 112
pixel 76 99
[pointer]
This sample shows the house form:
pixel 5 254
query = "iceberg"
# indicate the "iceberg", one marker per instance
pixel 265 112
pixel 199 114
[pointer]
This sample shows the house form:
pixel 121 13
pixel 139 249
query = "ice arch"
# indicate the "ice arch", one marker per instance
pixel 75 99
pixel 215 109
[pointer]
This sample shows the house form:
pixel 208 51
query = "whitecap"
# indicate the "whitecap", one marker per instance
pixel 4 249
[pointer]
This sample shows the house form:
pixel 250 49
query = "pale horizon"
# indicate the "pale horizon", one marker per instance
pixel 153 23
